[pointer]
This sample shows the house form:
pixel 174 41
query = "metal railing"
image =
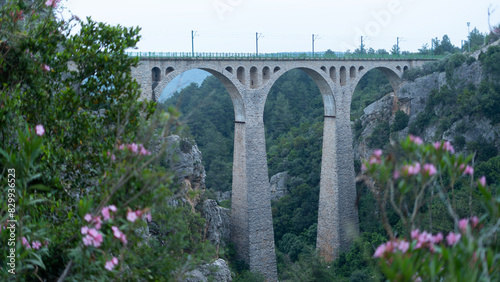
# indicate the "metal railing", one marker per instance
pixel 278 56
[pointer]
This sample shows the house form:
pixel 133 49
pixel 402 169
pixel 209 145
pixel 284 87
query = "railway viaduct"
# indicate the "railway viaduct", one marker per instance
pixel 248 81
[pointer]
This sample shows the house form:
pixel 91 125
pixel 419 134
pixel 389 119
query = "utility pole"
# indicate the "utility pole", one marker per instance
pixel 193 34
pixel 257 36
pixel 432 47
pixel 361 47
pixel 314 37
pixel 468 33
pixel 397 46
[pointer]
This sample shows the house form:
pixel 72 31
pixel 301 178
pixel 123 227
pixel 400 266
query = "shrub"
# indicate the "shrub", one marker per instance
pixel 400 121
pixel 469 252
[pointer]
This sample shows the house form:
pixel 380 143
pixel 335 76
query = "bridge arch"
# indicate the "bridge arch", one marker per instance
pixel 393 74
pixel 321 79
pixel 225 77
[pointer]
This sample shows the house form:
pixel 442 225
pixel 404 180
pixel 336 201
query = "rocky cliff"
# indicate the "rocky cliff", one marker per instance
pixel 411 98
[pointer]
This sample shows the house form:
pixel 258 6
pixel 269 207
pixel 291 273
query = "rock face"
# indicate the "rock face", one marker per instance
pixel 277 186
pixel 412 97
pixel 217 229
pixel 216 271
pixel 184 158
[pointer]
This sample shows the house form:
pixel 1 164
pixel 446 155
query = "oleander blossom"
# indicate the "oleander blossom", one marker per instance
pixel 413 169
pixel 462 224
pixel 392 247
pixel 482 180
pixel 131 216
pixel 36 245
pixel 93 238
pixel 39 130
pixel 430 169
pixel 474 221
pixel 52 3
pixel 468 170
pixel 445 146
pixel 453 238
pixel 84 230
pixel 417 140
pixel 26 243
pixel 106 212
pixel 111 264
pixel 119 235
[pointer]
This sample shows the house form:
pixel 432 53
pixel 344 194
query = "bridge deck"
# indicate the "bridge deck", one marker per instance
pixel 281 56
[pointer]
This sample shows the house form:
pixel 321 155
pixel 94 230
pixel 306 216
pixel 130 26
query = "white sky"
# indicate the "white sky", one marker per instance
pixel 288 25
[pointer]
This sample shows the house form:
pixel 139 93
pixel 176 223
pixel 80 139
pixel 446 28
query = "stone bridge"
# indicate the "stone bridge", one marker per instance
pixel 248 82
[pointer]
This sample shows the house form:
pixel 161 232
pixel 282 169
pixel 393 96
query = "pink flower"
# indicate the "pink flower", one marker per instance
pixel 131 216
pixel 87 240
pixel 417 140
pixel 46 68
pixel 98 240
pixel 133 147
pixel 121 147
pixel 105 213
pixel 88 217
pixel 482 180
pixel 39 130
pixel 374 160
pixel 112 208
pixel 377 153
pixel 26 243
pixel 148 217
pixel 84 230
pixel 474 221
pixel 379 252
pixel 363 167
pixel 396 174
pixel 52 3
pixel 412 169
pixel 453 238
pixel 144 152
pixel 403 246
pixel 415 233
pixel 36 245
pixel 438 238
pixel 448 147
pixel 430 169
pixel 437 145
pixel 98 222
pixel 114 260
pixel 93 232
pixel 462 224
pixel 123 238
pixel 116 232
pixel 468 170
pixel 109 265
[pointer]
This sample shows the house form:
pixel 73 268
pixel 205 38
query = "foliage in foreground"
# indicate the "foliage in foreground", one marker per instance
pixel 79 157
pixel 470 252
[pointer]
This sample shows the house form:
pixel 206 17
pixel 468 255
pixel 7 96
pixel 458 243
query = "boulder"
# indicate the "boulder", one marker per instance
pixel 215 271
pixel 217 229
pixel 277 185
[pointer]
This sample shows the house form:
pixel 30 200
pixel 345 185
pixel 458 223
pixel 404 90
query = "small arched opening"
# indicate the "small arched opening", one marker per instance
pixel 240 74
pixel 253 78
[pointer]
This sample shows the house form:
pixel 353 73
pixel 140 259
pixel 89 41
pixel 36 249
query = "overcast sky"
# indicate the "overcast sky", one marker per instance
pixel 288 25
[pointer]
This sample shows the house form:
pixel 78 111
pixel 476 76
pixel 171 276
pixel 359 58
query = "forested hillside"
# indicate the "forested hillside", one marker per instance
pixel 293 120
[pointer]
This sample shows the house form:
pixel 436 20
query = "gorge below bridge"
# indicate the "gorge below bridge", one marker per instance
pixel 248 80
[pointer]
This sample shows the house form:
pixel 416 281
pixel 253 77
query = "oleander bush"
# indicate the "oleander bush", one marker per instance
pixel 79 156
pixel 430 172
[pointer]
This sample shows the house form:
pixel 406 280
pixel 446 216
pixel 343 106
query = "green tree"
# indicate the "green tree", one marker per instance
pixel 80 147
